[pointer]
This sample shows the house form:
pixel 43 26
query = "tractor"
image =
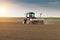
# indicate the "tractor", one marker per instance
pixel 31 19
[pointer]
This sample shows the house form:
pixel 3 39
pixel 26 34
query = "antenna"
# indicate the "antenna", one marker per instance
pixel 40 15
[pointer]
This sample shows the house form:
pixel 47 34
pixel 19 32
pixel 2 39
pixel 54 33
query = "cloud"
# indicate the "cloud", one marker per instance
pixel 53 3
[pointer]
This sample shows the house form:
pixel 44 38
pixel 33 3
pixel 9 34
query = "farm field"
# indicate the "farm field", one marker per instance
pixel 13 29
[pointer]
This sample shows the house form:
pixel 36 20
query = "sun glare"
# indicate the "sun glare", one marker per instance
pixel 3 10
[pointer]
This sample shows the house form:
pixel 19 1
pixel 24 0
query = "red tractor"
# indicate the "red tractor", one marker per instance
pixel 31 19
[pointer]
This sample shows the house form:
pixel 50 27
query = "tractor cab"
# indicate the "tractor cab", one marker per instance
pixel 31 15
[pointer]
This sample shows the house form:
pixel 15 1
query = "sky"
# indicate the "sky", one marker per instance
pixel 18 8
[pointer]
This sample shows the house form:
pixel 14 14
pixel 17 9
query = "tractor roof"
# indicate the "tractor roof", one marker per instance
pixel 31 13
